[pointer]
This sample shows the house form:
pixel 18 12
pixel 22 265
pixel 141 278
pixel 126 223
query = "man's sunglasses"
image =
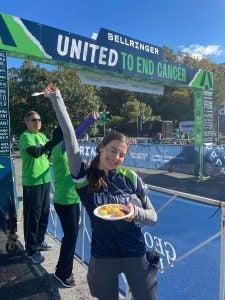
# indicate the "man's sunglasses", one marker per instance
pixel 36 120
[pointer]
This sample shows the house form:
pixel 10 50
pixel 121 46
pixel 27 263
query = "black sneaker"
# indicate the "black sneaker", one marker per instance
pixel 69 282
pixel 37 258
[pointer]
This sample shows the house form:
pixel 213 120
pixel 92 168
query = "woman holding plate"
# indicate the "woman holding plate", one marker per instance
pixel 117 246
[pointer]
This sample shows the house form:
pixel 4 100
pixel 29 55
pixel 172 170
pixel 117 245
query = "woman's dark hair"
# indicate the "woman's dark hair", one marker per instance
pixel 95 176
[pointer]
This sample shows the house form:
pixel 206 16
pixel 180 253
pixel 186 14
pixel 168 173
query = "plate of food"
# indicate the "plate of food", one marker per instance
pixel 113 212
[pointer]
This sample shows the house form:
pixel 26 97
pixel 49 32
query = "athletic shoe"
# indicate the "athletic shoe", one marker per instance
pixel 69 282
pixel 37 258
pixel 45 246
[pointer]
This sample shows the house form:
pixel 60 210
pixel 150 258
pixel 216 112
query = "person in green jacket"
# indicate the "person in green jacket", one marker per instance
pixel 34 147
pixel 66 203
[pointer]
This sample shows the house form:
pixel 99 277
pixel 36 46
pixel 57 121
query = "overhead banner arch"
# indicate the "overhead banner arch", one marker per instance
pixel 111 59
pixel 109 52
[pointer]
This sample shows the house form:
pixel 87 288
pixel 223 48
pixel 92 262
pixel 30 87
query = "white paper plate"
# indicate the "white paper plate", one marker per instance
pixel 112 217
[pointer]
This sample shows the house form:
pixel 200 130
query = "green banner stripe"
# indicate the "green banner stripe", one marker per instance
pixel 25 43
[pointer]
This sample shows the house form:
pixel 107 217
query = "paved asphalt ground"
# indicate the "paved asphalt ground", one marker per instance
pixel 20 279
pixel 209 187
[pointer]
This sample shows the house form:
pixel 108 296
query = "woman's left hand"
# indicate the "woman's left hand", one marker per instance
pixel 131 208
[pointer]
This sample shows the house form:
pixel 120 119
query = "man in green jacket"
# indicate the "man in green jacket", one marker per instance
pixel 34 147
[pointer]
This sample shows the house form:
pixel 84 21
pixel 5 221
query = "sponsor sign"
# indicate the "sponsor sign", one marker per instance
pixel 4 107
pixel 208 132
pixel 221 120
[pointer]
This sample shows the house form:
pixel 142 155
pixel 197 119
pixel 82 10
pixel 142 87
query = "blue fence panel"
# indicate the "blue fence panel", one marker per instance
pixel 86 241
pixel 8 198
pixel 182 227
pixel 214 160
pixel 179 158
pixel 87 150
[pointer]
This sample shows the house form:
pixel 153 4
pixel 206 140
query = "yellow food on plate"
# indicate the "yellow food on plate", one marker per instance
pixel 113 210
pixel 119 213
pixel 103 212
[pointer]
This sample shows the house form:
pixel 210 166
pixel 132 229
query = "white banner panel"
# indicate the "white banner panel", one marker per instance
pixel 103 80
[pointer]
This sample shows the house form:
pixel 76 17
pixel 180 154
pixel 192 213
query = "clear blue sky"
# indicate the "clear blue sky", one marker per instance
pixel 195 26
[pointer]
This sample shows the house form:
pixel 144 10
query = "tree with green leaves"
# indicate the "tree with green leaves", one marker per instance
pixel 81 99
pixel 133 108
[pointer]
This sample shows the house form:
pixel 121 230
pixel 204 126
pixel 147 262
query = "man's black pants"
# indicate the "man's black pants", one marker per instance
pixel 36 204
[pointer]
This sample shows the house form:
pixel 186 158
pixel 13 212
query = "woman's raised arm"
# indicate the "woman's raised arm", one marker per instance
pixel 72 147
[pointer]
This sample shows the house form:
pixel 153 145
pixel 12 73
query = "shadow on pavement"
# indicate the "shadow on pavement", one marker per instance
pixel 212 187
pixel 21 279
